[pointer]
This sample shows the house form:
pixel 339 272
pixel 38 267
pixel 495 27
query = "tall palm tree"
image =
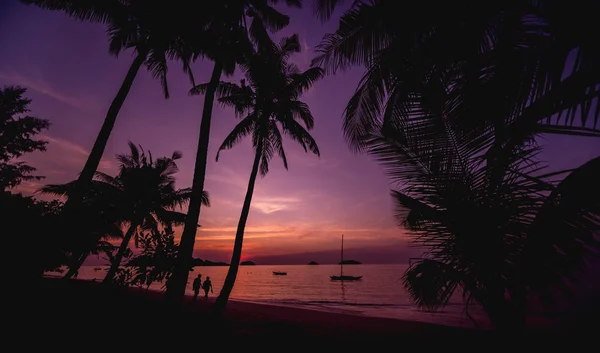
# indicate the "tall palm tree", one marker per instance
pixel 143 194
pixel 268 103
pixel 452 106
pixel 146 27
pixel 504 234
pixel 230 33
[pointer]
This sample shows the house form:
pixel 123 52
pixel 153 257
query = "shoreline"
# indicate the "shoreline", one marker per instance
pixel 535 321
pixel 80 312
pixel 316 308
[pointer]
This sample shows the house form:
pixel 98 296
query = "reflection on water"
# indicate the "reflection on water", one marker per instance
pixel 379 293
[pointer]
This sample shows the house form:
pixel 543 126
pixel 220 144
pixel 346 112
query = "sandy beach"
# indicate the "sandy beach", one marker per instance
pixel 74 314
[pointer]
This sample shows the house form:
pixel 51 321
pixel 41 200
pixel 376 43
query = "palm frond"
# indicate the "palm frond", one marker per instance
pixel 301 112
pixel 86 10
pixel 241 130
pixel 157 65
pixel 289 45
pixel 303 81
pixel 431 283
pixel 271 18
pixel 361 34
pixel 277 142
pixel 296 132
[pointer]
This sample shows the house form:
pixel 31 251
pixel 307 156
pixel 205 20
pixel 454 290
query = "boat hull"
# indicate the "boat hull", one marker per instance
pixel 345 278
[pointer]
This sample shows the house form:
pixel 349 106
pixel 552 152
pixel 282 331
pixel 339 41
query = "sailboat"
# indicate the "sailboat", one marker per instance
pixel 342 277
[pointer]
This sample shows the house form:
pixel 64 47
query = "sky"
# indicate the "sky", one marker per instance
pixel 296 216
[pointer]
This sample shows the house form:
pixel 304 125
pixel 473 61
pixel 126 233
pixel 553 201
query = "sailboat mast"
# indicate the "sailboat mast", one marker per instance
pixel 342 258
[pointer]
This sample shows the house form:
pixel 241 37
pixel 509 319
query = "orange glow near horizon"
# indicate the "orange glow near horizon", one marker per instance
pixel 303 210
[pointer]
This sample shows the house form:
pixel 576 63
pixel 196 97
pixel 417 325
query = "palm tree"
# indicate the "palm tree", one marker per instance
pixel 504 234
pixel 268 103
pixel 101 219
pixel 143 195
pixel 229 30
pixel 506 56
pixel 147 28
pixel 452 106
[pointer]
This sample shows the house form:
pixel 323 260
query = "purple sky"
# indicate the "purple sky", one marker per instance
pixel 72 79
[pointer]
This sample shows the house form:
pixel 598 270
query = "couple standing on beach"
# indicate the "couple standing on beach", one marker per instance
pixel 207 285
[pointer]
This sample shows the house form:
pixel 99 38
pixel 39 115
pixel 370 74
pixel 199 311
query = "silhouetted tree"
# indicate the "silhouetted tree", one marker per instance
pixel 268 103
pixel 25 226
pixel 99 220
pixel 143 195
pixel 153 31
pixel 229 33
pixel 452 106
pixel 156 261
pixel 501 237
pixel 17 132
pixel 507 56
pixel 324 8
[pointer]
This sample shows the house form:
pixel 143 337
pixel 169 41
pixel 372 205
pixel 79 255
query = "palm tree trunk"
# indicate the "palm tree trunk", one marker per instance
pixel 93 160
pixel 178 281
pixel 221 302
pixel 116 261
pixel 76 265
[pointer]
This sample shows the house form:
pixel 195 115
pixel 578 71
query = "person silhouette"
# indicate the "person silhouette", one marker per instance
pixel 207 285
pixel 196 285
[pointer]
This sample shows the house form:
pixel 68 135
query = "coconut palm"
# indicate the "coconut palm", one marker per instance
pixel 230 39
pixel 507 56
pixel 270 107
pixel 504 234
pixel 148 29
pixel 452 106
pixel 102 222
pixel 143 195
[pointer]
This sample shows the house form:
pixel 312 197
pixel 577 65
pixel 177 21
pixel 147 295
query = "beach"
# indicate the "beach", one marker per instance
pixel 75 314
pixel 380 292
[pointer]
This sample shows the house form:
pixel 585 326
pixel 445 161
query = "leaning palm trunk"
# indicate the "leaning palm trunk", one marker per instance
pixel 76 265
pixel 116 261
pixel 221 302
pixel 93 160
pixel 178 280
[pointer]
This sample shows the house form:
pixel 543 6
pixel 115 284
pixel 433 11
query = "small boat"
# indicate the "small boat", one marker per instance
pixel 279 273
pixel 343 277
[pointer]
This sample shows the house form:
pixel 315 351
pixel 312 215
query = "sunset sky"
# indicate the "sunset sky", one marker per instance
pixel 296 216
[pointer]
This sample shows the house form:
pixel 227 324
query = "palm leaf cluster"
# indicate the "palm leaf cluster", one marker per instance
pixel 141 197
pixel 451 103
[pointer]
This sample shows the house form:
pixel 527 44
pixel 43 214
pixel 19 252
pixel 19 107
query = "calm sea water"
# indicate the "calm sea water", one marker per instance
pixel 380 293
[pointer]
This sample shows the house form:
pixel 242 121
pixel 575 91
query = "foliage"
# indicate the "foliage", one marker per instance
pixel 452 106
pixel 229 39
pixel 17 131
pixel 270 101
pixel 45 248
pixel 143 193
pixel 155 263
pixel 524 59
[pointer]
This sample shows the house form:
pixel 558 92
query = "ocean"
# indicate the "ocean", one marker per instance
pixel 379 293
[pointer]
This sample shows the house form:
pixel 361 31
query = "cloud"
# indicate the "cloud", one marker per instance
pixel 60 163
pixel 268 205
pixel 41 86
pixel 74 153
pixel 226 175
